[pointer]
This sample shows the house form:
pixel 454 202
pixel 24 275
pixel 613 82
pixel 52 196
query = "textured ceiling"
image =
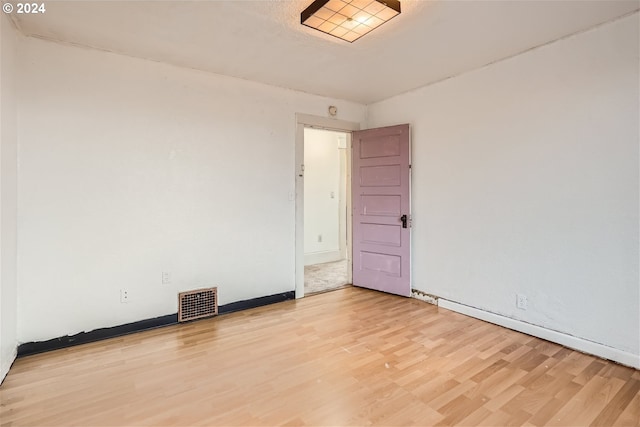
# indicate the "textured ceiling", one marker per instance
pixel 263 41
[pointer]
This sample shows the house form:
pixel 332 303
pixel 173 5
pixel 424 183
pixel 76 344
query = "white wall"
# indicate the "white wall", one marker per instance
pixel 129 168
pixel 8 194
pixel 324 177
pixel 525 180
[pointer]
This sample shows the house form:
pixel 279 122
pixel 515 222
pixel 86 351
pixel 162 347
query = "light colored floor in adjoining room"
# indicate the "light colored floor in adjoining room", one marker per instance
pixel 325 277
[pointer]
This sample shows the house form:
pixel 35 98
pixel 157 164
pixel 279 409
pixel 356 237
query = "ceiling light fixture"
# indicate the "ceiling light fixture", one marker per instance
pixel 349 19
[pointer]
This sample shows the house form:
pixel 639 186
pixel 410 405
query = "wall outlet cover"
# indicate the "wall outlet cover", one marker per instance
pixel 521 301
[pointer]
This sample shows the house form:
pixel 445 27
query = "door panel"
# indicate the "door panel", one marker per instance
pixel 380 205
pixel 380 176
pixel 380 185
pixel 382 234
pixel 383 147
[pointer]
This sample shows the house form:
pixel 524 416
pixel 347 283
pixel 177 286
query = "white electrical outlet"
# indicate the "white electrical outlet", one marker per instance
pixel 124 296
pixel 319 238
pixel 166 277
pixel 521 301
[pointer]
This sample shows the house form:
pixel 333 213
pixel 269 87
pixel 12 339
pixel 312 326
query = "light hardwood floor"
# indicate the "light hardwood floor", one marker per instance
pixel 348 357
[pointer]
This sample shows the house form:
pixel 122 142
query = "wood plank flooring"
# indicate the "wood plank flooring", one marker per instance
pixel 348 357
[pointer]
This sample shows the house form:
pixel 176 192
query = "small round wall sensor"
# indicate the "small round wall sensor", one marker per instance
pixel 333 110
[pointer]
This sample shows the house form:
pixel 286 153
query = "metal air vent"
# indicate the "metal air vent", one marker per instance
pixel 197 304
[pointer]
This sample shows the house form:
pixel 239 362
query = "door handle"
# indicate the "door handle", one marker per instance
pixel 403 218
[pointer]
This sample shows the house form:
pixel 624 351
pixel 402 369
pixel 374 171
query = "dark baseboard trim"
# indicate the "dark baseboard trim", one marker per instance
pixel 30 348
pixel 256 302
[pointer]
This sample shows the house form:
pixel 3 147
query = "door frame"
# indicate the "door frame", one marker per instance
pixel 317 122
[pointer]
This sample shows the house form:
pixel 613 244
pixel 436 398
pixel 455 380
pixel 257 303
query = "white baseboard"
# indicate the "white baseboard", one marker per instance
pixel 6 364
pixel 322 257
pixel 580 344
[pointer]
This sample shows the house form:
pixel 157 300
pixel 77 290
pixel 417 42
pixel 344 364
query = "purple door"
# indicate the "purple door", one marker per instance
pixel 380 194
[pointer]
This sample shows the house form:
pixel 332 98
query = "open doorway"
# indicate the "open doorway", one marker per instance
pixel 381 220
pixel 306 121
pixel 325 210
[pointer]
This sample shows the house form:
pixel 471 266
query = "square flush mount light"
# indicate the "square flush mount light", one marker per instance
pixel 349 19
